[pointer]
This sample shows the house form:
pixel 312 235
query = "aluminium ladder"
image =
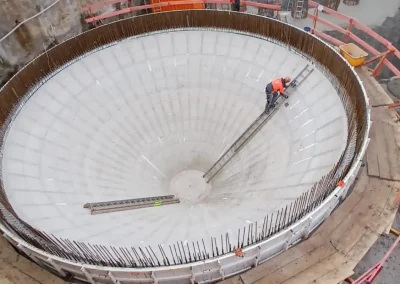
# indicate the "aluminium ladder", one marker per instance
pixel 157 9
pixel 298 9
pixel 129 204
pixel 298 13
pixel 255 127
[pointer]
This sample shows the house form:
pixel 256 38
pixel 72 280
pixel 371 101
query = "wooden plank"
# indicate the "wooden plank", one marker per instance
pixel 317 270
pixel 283 259
pixel 372 153
pixel 17 269
pixel 352 258
pixel 4 280
pixel 384 137
pixel 362 182
pixel 348 239
pixel 392 145
pixel 383 157
pixel 339 215
pixel 375 92
pixel 376 217
pixel 17 276
pixel 391 207
pixel 335 276
pixel 365 214
pixel 233 280
pixel 361 248
pixel 7 253
pixel 383 114
pixel 299 265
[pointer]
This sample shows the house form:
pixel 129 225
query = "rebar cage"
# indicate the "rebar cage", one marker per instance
pixel 53 252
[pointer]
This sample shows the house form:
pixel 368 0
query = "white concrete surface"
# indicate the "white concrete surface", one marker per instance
pixel 124 121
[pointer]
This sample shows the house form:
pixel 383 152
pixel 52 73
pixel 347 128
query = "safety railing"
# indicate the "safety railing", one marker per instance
pixel 353 23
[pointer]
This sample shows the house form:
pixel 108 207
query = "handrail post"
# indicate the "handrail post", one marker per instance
pixel 349 30
pixel 378 68
pixel 316 18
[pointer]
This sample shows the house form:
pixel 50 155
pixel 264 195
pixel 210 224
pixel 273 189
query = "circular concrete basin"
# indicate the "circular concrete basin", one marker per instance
pixel 147 117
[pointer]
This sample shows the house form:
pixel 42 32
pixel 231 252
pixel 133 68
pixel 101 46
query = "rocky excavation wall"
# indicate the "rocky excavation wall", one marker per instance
pixel 29 27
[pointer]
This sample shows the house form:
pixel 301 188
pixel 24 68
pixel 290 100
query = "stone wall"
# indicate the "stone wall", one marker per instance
pixel 64 19
pixel 58 23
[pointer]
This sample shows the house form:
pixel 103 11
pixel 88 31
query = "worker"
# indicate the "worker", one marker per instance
pixel 274 89
pixel 235 5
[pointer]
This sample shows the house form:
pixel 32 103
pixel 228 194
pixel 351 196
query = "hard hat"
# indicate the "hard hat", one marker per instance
pixel 287 79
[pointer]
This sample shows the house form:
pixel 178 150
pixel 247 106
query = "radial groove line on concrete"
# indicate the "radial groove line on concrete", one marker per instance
pixel 254 128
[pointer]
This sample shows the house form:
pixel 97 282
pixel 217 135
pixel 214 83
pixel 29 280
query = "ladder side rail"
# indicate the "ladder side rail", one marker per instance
pixel 136 200
pixel 96 211
pixel 232 146
pixel 220 168
pixel 305 77
pixel 132 206
pixel 150 203
pixel 266 119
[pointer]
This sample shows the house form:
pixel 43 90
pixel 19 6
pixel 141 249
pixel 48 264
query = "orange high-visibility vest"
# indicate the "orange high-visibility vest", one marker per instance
pixel 278 86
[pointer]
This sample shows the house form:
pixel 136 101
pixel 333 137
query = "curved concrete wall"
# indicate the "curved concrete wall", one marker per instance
pixel 117 127
pixel 345 83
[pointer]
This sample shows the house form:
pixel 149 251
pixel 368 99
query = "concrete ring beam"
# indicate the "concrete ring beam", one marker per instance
pixel 148 114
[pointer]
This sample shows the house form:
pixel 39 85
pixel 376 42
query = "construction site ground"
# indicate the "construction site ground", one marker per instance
pixel 391 271
pixel 334 250
pixel 16 269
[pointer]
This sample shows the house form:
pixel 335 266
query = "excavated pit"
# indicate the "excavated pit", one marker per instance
pixel 147 117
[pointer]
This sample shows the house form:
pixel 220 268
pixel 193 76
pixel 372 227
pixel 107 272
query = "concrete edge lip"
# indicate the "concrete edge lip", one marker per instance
pixel 354 167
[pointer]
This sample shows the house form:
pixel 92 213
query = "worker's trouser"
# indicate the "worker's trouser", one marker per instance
pixel 235 6
pixel 271 97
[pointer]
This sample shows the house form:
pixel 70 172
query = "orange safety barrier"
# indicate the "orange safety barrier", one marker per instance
pixel 156 6
pixel 382 56
pixel 183 6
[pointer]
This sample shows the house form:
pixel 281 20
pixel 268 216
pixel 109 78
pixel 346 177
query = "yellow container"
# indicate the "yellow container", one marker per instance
pixel 353 54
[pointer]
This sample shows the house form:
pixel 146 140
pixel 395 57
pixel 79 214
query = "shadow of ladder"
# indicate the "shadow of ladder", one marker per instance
pixel 255 127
